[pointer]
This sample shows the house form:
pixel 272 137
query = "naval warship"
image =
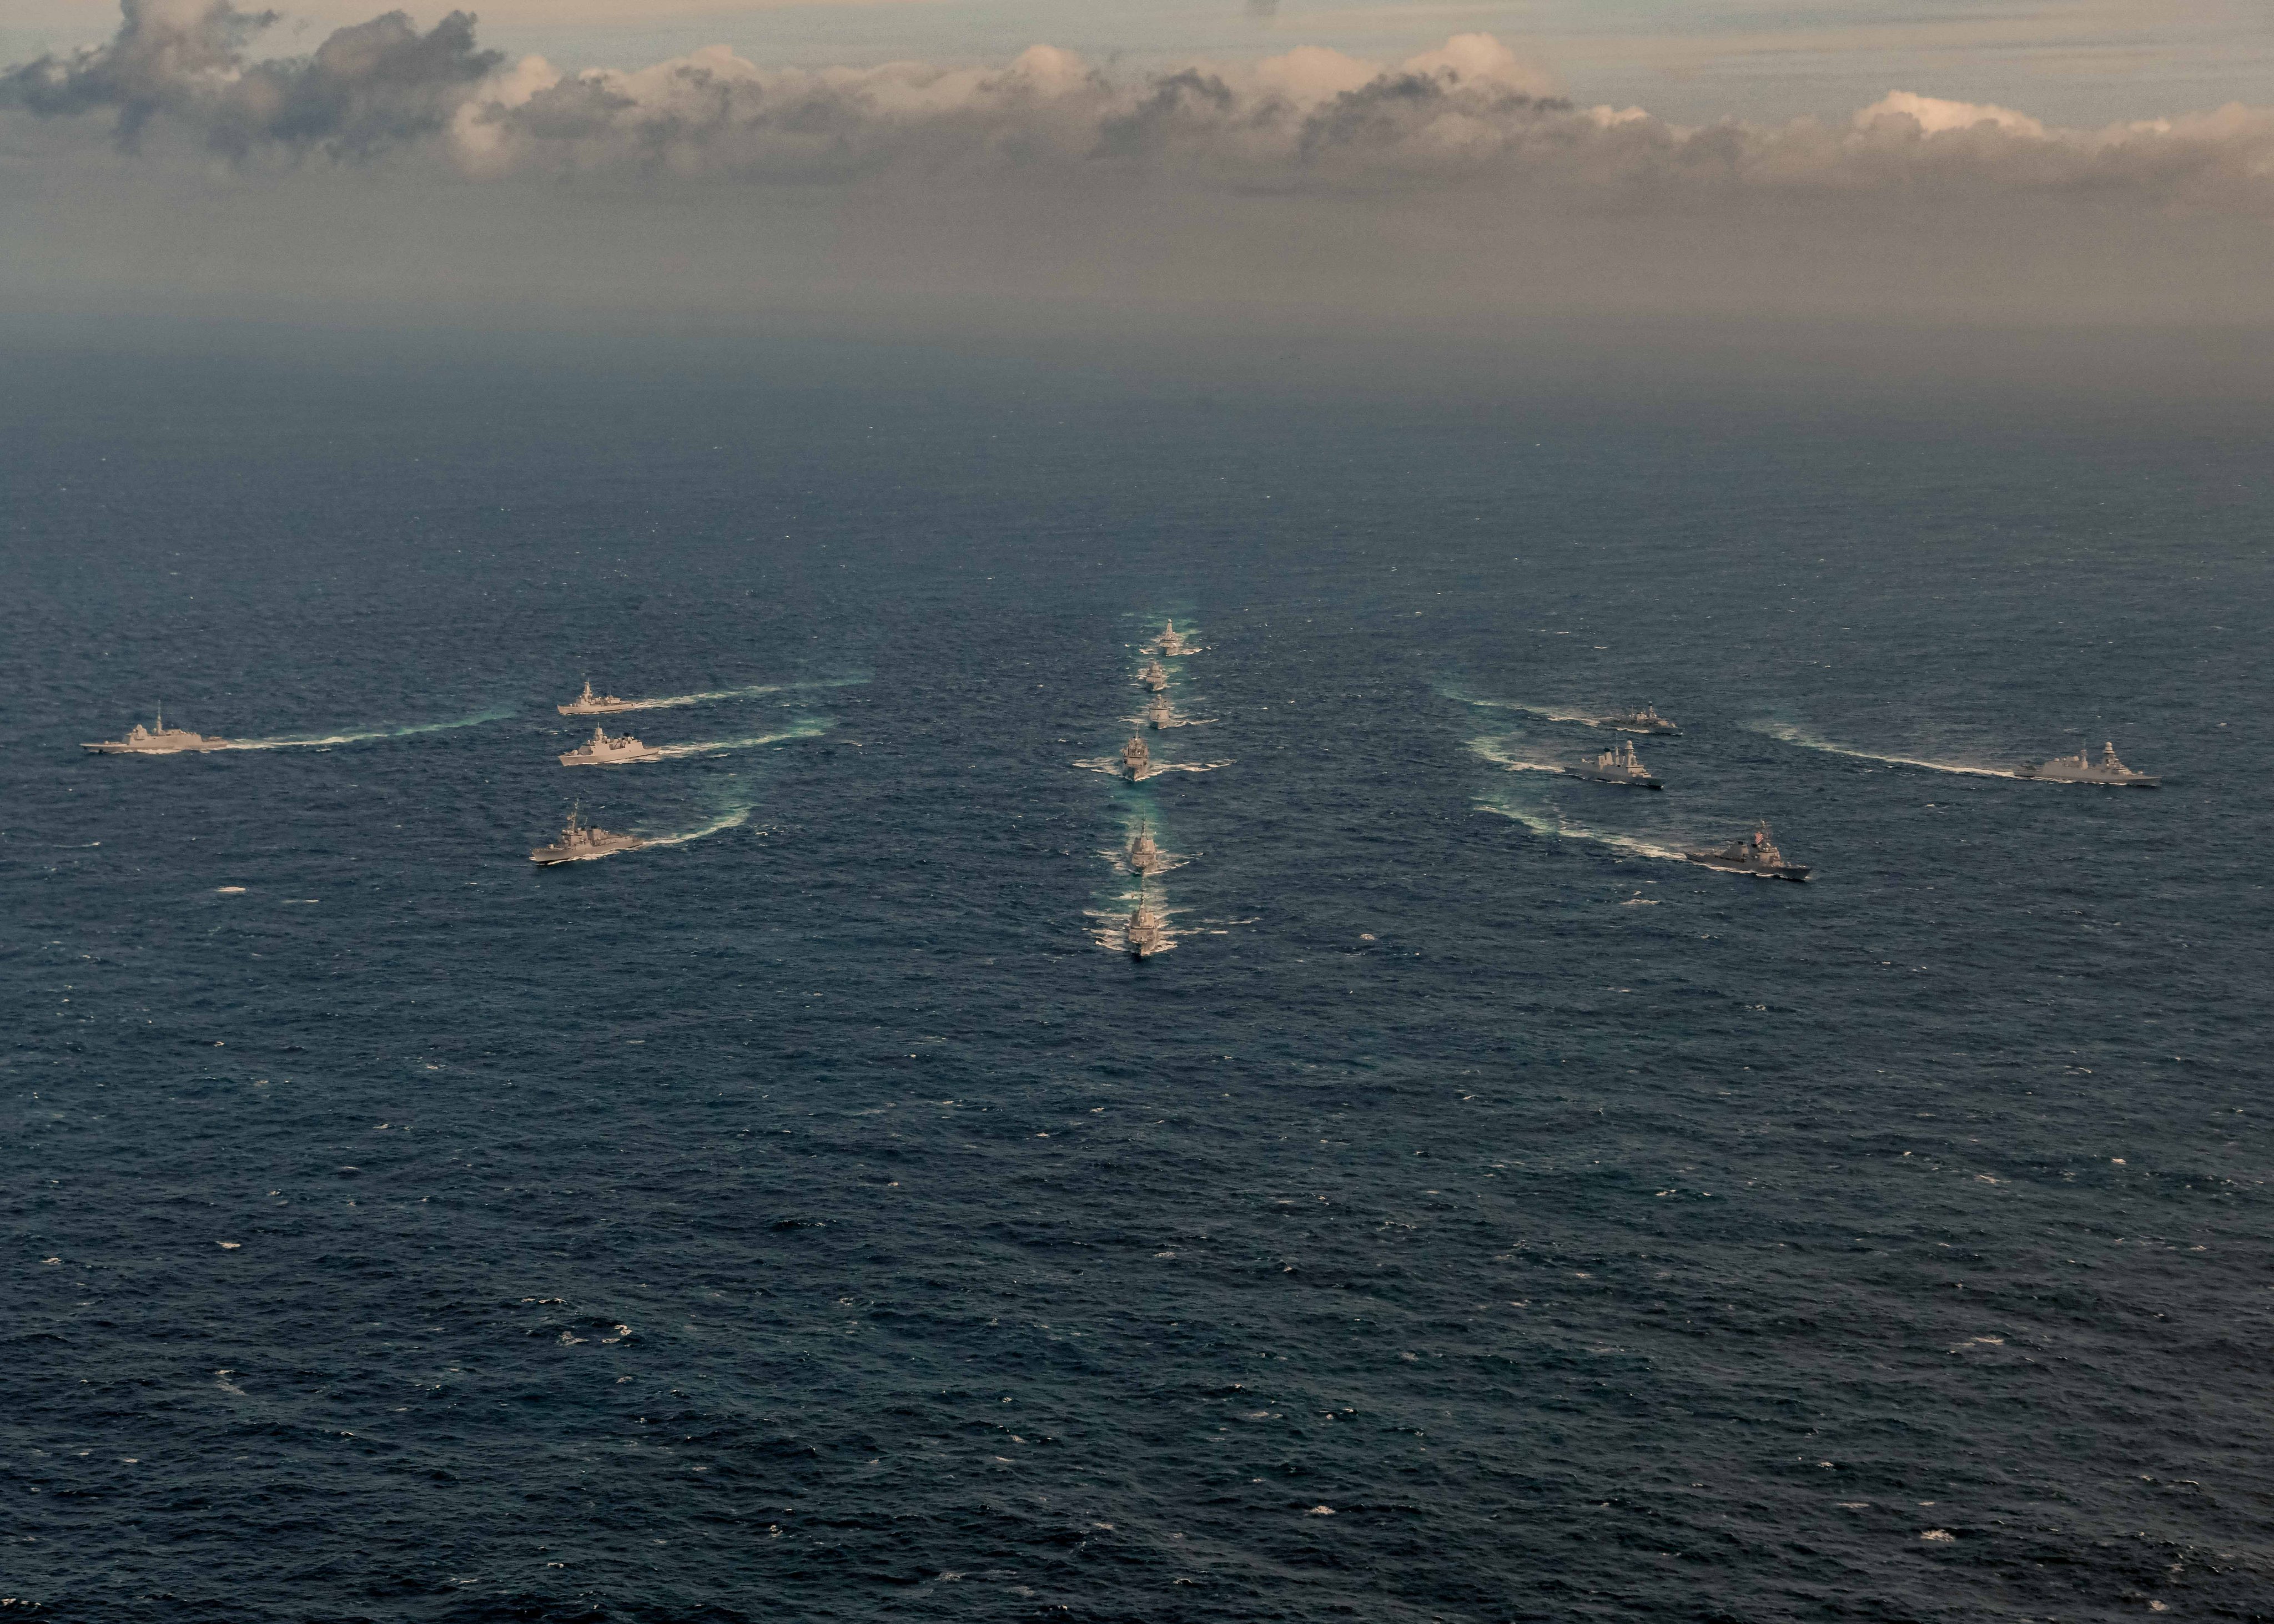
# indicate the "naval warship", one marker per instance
pixel 601 750
pixel 1645 720
pixel 1160 713
pixel 1136 758
pixel 1142 854
pixel 1155 676
pixel 589 704
pixel 1146 932
pixel 1757 856
pixel 1617 765
pixel 156 740
pixel 1172 642
pixel 2081 769
pixel 580 842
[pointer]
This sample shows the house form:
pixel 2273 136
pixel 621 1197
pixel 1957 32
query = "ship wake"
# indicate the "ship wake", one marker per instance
pixel 1547 712
pixel 1801 738
pixel 672 701
pixel 719 825
pixel 1110 765
pixel 315 742
pixel 1556 826
pixel 714 747
pixel 1495 751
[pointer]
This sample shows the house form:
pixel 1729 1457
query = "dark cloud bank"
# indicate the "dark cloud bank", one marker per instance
pixel 392 163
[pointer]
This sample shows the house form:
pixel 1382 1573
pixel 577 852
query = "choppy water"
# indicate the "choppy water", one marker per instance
pixel 1480 1216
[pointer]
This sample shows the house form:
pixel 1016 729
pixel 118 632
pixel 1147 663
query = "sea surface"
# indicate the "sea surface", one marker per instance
pixel 1477 1214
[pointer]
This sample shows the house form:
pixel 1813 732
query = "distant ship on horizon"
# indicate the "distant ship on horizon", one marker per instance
pixel 1645 720
pixel 589 704
pixel 2081 769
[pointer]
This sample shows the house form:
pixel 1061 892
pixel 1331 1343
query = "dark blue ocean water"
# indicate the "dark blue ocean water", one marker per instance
pixel 1474 1217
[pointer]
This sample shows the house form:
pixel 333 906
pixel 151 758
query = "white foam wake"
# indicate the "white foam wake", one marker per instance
pixel 1111 766
pixel 714 746
pixel 1800 737
pixel 670 702
pixel 1556 825
pixel 1494 751
pixel 1549 713
pixel 717 825
pixel 317 741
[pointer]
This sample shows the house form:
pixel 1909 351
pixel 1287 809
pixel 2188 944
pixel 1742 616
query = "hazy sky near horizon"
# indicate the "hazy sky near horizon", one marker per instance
pixel 1450 166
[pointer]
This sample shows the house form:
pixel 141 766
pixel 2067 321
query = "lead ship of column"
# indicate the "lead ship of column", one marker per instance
pixel 589 704
pixel 156 740
pixel 580 842
pixel 2081 769
pixel 1757 856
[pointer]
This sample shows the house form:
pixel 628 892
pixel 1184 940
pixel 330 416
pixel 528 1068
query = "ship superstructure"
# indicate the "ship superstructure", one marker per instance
pixel 157 739
pixel 2081 769
pixel 1756 855
pixel 581 842
pixel 604 750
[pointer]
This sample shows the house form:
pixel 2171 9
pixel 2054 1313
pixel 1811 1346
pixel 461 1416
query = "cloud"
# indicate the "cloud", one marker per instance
pixel 1473 111
pixel 373 86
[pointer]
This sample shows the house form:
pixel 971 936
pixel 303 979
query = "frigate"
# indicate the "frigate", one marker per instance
pixel 1619 764
pixel 1645 720
pixel 1142 854
pixel 1147 933
pixel 1756 855
pixel 1155 676
pixel 603 750
pixel 1136 758
pixel 2081 769
pixel 1172 642
pixel 589 704
pixel 580 842
pixel 157 739
pixel 1160 713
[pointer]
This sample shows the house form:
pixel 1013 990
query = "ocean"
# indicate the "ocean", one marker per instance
pixel 1477 1214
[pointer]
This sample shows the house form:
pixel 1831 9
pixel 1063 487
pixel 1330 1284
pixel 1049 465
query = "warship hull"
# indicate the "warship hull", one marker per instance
pixel 596 708
pixel 552 856
pixel 1620 779
pixel 1759 871
pixel 2130 780
pixel 619 759
pixel 112 747
pixel 1629 725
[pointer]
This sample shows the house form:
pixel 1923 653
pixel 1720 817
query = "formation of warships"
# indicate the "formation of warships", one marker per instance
pixel 1759 854
pixel 1145 932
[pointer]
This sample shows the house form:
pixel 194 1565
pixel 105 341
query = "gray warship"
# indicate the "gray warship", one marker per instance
pixel 1155 676
pixel 1619 764
pixel 580 842
pixel 1147 933
pixel 1645 720
pixel 1135 757
pixel 1142 854
pixel 1160 713
pixel 589 704
pixel 1172 642
pixel 1756 855
pixel 157 739
pixel 603 750
pixel 2081 769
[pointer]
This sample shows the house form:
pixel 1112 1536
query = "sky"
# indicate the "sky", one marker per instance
pixel 1465 170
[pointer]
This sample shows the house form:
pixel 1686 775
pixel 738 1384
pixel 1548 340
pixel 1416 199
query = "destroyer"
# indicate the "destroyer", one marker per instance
pixel 1645 720
pixel 1146 932
pixel 1172 642
pixel 1757 856
pixel 1617 765
pixel 1160 713
pixel 1155 676
pixel 1136 758
pixel 589 704
pixel 601 750
pixel 2081 769
pixel 580 842
pixel 158 740
pixel 1142 854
